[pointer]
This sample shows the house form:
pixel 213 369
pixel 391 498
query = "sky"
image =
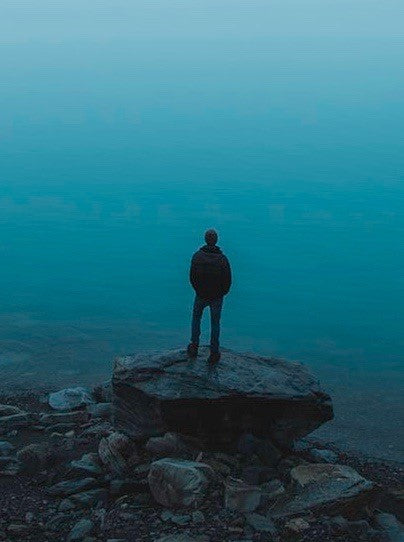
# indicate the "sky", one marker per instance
pixel 55 20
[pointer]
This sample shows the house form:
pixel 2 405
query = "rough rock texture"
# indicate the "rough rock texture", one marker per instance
pixel 241 496
pixel 114 452
pixel 178 482
pixel 154 393
pixel 327 488
pixel 70 398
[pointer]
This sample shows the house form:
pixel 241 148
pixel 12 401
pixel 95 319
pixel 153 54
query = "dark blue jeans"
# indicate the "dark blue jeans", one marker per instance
pixel 215 312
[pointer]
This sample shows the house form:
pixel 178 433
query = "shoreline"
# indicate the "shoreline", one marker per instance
pixel 32 515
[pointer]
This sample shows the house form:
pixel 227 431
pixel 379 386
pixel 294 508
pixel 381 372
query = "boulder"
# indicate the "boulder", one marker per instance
pixel 81 529
pixel 70 487
pixel 56 418
pixel 115 451
pixel 169 445
pixel 35 456
pixel 6 448
pixel 393 529
pixel 267 397
pixel 241 496
pixel 178 483
pixel 70 398
pixel 325 488
pixel 12 418
pixel 328 456
pixel 88 464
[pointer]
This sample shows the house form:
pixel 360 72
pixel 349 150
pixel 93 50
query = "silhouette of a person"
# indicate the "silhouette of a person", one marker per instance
pixel 210 276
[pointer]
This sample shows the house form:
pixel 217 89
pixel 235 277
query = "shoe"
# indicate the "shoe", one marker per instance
pixel 192 350
pixel 214 357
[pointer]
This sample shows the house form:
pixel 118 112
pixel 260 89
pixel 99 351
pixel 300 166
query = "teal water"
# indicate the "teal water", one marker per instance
pixel 115 157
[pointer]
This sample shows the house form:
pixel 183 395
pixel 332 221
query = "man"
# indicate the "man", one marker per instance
pixel 210 276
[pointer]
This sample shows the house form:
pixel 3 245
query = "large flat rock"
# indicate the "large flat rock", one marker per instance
pixel 166 391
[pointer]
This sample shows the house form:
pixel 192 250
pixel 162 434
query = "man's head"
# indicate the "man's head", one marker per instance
pixel 211 237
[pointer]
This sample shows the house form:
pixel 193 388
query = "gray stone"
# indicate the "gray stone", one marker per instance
pixel 392 528
pixel 328 456
pixel 69 487
pixel 323 487
pixel 35 456
pixel 114 452
pixel 6 448
pixel 66 505
pixel 261 523
pixel 57 522
pixel 182 538
pixel 170 445
pixel 178 482
pixel 272 489
pixel 154 393
pixel 178 519
pixel 11 422
pixel 198 516
pixel 70 398
pixel 80 530
pixel 257 475
pixel 55 418
pixel 297 525
pixel 241 496
pixel 88 464
pixel 100 410
pixel 85 499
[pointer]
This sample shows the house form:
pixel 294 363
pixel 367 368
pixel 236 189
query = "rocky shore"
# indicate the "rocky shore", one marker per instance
pixel 172 450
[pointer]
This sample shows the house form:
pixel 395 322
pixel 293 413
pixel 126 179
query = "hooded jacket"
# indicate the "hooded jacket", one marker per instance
pixel 210 273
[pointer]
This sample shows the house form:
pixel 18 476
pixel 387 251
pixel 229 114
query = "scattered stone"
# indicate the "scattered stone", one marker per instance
pixel 170 445
pixel 241 496
pixel 100 410
pixel 102 429
pixel 88 464
pixel 35 457
pixel 178 519
pixel 179 482
pixel 89 498
pixel 69 487
pixel 66 505
pixel 80 530
pixel 59 427
pixel 128 486
pixel 393 529
pixel 13 418
pixel 302 445
pixel 297 525
pixel 271 490
pixel 103 392
pixel 17 529
pixel 328 456
pixel 182 538
pixel 257 475
pixel 338 524
pixel 70 398
pixel 324 487
pixel 114 451
pixel 57 522
pixel 280 399
pixel 261 523
pixel 6 448
pixel 198 516
pixel 55 418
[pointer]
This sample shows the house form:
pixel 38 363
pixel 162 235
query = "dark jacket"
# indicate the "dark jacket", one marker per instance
pixel 210 273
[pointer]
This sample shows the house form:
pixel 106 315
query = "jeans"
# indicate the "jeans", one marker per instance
pixel 215 311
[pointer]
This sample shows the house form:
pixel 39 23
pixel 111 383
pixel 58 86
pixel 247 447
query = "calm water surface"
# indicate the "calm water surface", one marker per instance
pixel 115 158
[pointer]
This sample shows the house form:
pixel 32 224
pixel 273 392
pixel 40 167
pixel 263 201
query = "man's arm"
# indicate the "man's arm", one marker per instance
pixel 192 274
pixel 226 276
